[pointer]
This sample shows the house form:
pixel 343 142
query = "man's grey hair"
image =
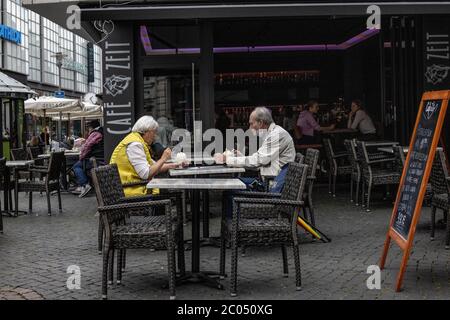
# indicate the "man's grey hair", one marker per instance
pixel 144 124
pixel 263 114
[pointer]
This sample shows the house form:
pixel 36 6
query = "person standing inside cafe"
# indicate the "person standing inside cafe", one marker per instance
pixel 359 120
pixel 134 160
pixel 93 147
pixel 307 124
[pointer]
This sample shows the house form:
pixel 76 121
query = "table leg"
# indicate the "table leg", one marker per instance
pixel 16 192
pixel 6 182
pixel 195 275
pixel 195 208
pixel 205 214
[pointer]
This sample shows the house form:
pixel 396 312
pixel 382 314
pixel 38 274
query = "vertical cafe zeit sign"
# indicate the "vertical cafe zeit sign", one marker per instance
pixel 118 89
pixel 436 39
pixel 418 164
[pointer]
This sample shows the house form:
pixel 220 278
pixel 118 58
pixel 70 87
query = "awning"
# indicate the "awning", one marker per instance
pixel 11 88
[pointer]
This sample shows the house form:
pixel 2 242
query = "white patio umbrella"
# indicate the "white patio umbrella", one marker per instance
pixel 48 106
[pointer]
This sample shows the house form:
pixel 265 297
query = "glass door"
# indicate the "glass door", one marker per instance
pixel 170 96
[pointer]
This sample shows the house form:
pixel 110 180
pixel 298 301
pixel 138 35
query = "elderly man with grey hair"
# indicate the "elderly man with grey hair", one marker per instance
pixel 272 158
pixel 277 148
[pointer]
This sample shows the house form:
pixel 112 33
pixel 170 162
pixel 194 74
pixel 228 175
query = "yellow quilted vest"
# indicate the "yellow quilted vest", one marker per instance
pixel 126 169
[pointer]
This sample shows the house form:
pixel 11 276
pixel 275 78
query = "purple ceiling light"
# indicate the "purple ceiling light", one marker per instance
pixel 312 47
pixel 145 39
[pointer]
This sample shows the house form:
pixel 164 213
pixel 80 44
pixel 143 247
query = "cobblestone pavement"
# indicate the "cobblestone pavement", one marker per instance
pixel 35 252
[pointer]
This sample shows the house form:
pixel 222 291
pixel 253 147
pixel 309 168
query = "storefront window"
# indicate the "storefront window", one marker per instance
pixel 35 46
pixel 16 55
pixel 50 37
pixel 66 46
pixel 81 59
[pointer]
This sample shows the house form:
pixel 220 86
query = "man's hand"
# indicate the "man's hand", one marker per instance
pixel 237 153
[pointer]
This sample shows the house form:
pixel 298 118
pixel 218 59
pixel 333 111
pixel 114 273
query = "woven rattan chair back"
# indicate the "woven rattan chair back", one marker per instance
pixel 19 154
pixel 294 185
pixel 2 167
pixel 34 152
pixel 311 160
pixel 399 158
pixel 55 165
pixel 361 154
pixel 328 149
pixel 439 174
pixel 351 151
pixel 299 158
pixel 108 187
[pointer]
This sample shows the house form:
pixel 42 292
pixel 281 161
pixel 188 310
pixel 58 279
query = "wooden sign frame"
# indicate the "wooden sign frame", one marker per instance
pixel 406 243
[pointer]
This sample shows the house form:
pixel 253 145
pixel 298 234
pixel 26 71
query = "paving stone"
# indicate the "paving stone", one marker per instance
pixel 36 251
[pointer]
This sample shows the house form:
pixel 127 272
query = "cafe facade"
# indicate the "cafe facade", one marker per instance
pixel 189 60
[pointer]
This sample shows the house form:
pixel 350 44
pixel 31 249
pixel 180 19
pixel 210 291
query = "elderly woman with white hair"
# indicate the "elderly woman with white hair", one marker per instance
pixel 133 158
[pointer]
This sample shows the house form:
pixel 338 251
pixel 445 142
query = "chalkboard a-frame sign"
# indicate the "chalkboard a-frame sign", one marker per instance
pixel 416 172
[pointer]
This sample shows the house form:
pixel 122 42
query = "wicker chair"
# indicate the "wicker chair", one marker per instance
pixel 48 184
pixel 311 160
pixel 373 175
pixel 334 168
pixel 356 169
pixel 33 153
pixel 299 158
pixel 147 232
pixel 21 154
pixel 4 171
pixel 439 179
pixel 266 221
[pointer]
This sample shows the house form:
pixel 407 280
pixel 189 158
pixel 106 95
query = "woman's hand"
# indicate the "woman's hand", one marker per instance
pixel 167 154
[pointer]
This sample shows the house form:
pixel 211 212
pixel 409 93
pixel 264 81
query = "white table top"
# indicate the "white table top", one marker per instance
pixel 19 163
pixel 219 169
pixel 192 183
pixel 196 160
pixel 66 153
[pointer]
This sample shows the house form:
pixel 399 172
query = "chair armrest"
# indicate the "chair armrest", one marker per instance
pixel 133 184
pixel 381 160
pixel 38 167
pixel 340 155
pixel 269 201
pixel 38 170
pixel 149 197
pixel 133 205
pixel 256 194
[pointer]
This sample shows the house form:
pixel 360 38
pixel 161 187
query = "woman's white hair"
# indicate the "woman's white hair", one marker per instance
pixel 144 124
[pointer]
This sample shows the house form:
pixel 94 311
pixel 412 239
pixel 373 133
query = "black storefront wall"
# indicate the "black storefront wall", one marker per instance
pixel 118 85
pixel 436 58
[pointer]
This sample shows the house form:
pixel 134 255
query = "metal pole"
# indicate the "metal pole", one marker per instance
pixel 193 94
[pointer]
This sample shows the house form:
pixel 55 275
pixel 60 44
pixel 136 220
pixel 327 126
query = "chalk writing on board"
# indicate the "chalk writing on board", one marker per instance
pixel 415 167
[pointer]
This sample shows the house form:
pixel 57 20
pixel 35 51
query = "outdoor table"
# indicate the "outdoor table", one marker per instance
pixel 16 166
pixel 195 160
pixel 196 185
pixel 205 170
